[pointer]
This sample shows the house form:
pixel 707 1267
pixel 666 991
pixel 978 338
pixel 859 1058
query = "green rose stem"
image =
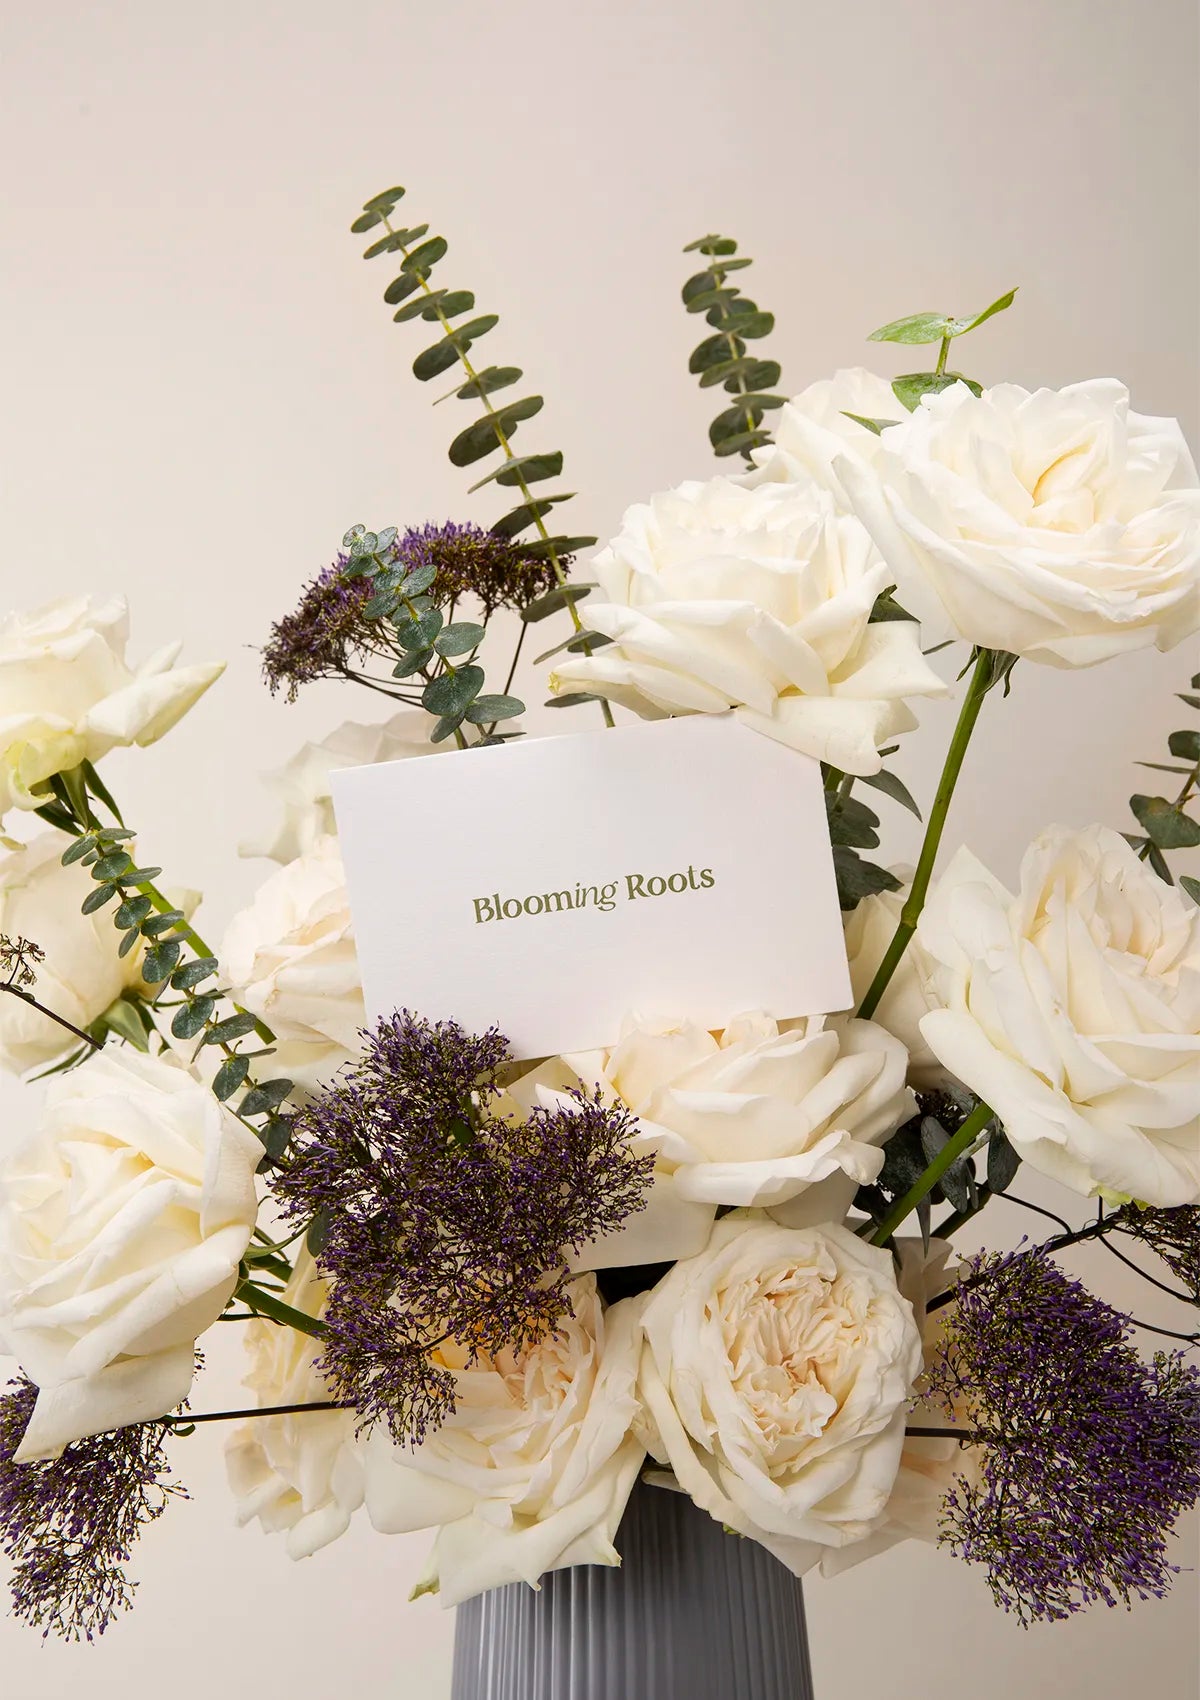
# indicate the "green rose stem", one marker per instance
pixel 966 1136
pixel 981 681
pixel 506 450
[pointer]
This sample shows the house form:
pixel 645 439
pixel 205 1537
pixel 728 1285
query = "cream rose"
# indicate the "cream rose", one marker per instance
pixel 1073 1009
pixel 289 957
pixel 122 1222
pixel 814 430
pixel 68 695
pixel 300 1474
pixel 755 1115
pixel 1057 524
pixel 775 1375
pixel 533 1470
pixel 870 927
pixel 302 784
pixel 720 596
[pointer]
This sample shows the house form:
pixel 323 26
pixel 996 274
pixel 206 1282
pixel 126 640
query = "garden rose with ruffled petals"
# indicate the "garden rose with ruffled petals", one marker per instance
pixel 122 1222
pixel 720 596
pixel 775 1375
pixel 870 927
pixel 532 1471
pixel 67 694
pixel 814 429
pixel 290 958
pixel 1055 524
pixel 1073 1009
pixel 301 1474
pixel 755 1115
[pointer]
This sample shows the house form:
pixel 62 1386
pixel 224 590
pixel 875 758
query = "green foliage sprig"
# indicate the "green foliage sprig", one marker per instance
pixel 930 328
pixel 1166 823
pixel 722 358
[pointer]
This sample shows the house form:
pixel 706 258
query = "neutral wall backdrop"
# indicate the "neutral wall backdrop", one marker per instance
pixel 203 389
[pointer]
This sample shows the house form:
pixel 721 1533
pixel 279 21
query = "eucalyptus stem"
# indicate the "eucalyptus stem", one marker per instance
pixel 954 1148
pixel 910 914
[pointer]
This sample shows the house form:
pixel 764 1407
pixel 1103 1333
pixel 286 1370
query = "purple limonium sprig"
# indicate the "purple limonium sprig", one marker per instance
pixel 68 1524
pixel 496 571
pixel 440 1213
pixel 325 636
pixel 1086 1454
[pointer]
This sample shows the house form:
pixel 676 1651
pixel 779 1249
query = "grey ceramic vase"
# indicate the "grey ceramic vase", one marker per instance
pixel 692 1614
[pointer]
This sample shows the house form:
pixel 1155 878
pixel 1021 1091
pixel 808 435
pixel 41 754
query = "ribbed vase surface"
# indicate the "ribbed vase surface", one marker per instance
pixel 692 1614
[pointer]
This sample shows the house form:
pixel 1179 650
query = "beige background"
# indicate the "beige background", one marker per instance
pixel 203 389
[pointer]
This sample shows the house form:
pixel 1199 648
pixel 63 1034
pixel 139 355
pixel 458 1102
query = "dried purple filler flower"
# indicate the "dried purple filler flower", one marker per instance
pixel 1087 1454
pixel 68 1524
pixel 1173 1234
pixel 324 636
pixel 473 562
pixel 439 1216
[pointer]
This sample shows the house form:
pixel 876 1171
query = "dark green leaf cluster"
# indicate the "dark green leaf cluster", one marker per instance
pixel 913 1147
pixel 852 829
pixel 930 328
pixel 722 357
pixel 1170 823
pixel 461 328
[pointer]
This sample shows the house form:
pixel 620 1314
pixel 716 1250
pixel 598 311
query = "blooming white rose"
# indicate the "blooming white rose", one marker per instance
pixel 122 1222
pixel 83 973
pixel 1058 524
pixel 532 1471
pixel 721 596
pixel 301 1474
pixel 67 694
pixel 289 957
pixel 775 1375
pixel 302 784
pixel 814 430
pixel 1073 1009
pixel 754 1115
pixel 870 928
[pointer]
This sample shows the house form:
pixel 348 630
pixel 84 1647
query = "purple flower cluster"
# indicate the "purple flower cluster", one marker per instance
pixel 1086 1454
pixel 471 562
pixel 1173 1234
pixel 438 1216
pixel 326 634
pixel 68 1524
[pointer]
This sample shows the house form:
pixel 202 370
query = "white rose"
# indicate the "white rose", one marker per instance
pixel 1058 524
pixel 67 694
pixel 302 784
pixel 1073 1009
pixel 721 596
pixel 775 1375
pixel 289 957
pixel 532 1471
pixel 870 928
pixel 755 1115
pixel 301 1474
pixel 814 431
pixel 122 1222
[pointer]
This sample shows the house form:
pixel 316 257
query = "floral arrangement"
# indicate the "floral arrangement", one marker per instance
pixel 485 1296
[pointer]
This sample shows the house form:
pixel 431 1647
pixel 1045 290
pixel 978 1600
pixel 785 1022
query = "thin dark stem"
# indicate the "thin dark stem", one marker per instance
pixel 187 1418
pixel 28 997
pixel 964 1436
pixel 1171 1292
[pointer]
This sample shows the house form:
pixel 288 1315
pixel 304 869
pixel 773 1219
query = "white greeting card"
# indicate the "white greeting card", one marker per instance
pixel 550 885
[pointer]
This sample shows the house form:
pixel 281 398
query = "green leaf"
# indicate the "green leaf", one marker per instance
pixel 141 876
pixel 1191 886
pixel 712 245
pixel 267 1096
pixel 877 426
pixel 446 725
pixel 419 580
pixel 753 373
pixel 560 597
pixel 132 912
pixel 485 709
pixel 233 1027
pixel 483 436
pixel 453 693
pixel 917 327
pixel 520 519
pixel 191 974
pixel 80 848
pixel 741 442
pixel 698 284
pixel 414 663
pixel 112 866
pixel 541 547
pixel 230 1076
pixel 576 642
pixel 385 201
pixel 98 898
pixel 426 256
pixel 892 787
pixel 401 288
pixel 715 349
pixel 713 299
pixel 318 1233
pixel 959 327
pixel 528 469
pixel 445 302
pixel 162 923
pixel 1166 825
pixel 418 634
pixel 1192 702
pixel 733 422
pixel 851 822
pixel 160 960
pixel 751 323
pixel 909 389
pixel 122 1019
pixel 857 878
pixel 366 221
pixel 439 357
pixel 492 378
pixel 460 638
pixel 1003 1161
pixel 572 699
pixel 132 935
pixel 191 1018
pixel 276 1136
pixel 1186 744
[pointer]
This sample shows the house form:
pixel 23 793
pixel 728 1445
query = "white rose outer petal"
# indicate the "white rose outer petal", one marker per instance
pixel 122 1222
pixel 1073 1009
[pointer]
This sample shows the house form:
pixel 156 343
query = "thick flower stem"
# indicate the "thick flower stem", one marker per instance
pixel 962 1141
pixel 981 680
